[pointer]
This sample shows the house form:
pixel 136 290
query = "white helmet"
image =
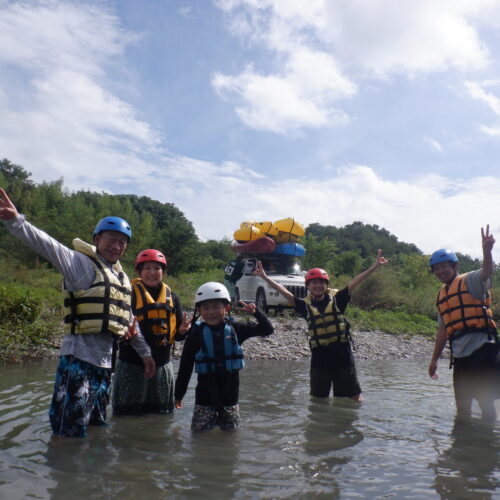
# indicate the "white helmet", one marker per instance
pixel 212 291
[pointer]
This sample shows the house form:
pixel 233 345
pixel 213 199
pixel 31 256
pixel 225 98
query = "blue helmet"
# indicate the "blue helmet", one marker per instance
pixel 113 224
pixel 442 255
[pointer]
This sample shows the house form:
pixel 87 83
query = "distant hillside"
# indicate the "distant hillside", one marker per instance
pixel 355 245
pixel 363 238
pixel 68 216
pixel 343 250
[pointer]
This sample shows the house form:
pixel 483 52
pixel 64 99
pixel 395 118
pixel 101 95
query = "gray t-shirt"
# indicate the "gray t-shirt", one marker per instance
pixel 466 344
pixel 79 273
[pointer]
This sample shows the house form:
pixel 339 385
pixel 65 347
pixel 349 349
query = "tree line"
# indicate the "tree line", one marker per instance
pixel 68 215
pixel 405 285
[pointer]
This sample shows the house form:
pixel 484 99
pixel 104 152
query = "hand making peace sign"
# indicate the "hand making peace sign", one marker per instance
pixel 7 208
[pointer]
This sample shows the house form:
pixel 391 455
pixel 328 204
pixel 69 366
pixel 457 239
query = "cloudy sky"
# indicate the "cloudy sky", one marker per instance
pixel 329 111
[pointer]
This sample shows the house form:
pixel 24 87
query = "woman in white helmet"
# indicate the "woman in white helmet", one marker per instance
pixel 213 347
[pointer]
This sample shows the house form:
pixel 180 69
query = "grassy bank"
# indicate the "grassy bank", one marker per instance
pixel 31 312
pixel 394 322
pixel 30 325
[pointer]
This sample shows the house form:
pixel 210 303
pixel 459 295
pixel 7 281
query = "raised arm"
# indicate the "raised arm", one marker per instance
pixel 380 261
pixel 259 271
pixel 488 242
pixel 77 269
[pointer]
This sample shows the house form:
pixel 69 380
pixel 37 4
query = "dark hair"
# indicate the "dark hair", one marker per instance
pixel 141 265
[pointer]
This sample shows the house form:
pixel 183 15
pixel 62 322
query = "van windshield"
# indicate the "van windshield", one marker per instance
pixel 281 267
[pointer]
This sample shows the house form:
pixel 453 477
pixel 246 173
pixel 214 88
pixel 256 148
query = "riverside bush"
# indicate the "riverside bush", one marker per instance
pixel 396 322
pixel 17 305
pixel 28 341
pixel 24 333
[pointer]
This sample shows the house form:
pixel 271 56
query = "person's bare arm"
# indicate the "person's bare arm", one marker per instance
pixel 441 338
pixel 259 271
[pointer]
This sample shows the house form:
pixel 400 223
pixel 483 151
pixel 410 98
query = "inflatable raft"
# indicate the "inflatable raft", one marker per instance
pixel 260 245
pixel 291 226
pixel 248 233
pixel 290 248
pixel 268 228
pixel 281 237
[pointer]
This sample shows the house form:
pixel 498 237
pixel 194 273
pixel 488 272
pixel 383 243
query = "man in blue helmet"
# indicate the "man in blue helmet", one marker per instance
pixel 97 311
pixel 466 321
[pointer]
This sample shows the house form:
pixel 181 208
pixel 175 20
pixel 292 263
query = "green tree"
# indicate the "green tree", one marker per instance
pixel 319 251
pixel 363 238
pixel 349 263
pixel 415 272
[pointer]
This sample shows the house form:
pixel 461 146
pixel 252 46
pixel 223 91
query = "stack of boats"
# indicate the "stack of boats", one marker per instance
pixel 281 237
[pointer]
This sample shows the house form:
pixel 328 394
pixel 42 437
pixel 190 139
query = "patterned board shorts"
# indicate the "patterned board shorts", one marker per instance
pixel 81 394
pixel 206 418
pixel 134 395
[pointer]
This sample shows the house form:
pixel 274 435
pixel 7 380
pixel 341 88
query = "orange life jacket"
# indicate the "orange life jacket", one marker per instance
pixel 461 311
pixel 157 317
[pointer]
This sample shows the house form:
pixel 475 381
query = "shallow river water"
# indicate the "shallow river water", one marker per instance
pixel 401 442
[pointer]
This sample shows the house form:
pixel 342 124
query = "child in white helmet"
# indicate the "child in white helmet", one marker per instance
pixel 213 347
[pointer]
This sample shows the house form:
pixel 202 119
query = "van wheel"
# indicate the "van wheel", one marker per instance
pixel 261 301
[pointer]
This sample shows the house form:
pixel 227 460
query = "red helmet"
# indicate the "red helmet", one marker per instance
pixel 151 255
pixel 317 273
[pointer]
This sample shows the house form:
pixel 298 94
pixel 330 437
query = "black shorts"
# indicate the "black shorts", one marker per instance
pixel 339 371
pixel 478 375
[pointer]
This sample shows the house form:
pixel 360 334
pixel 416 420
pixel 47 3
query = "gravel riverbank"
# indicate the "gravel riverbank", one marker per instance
pixel 289 341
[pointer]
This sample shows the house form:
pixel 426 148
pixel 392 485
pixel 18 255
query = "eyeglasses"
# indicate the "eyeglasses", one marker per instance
pixel 115 241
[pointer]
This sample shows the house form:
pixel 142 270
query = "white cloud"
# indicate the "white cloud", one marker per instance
pixel 383 36
pixel 60 117
pixel 319 48
pixel 298 98
pixel 491 131
pixel 434 144
pixel 477 91
pixel 73 125
pixel 65 113
pixel 50 34
pixel 216 198
pixel 430 211
pixel 185 11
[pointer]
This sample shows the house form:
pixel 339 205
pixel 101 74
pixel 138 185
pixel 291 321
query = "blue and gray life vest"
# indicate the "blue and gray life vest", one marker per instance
pixel 207 362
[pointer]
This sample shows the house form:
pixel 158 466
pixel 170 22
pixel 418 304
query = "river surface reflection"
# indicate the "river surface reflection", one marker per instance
pixel 401 442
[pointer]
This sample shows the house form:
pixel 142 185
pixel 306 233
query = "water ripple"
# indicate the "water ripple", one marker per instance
pixel 400 443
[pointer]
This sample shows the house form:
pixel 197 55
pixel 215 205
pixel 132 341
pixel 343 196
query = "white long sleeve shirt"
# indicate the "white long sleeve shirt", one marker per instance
pixel 79 274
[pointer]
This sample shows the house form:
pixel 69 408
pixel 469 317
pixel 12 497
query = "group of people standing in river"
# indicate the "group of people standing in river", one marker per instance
pixel 107 316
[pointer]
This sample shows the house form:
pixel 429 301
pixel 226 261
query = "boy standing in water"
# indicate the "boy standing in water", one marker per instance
pixel 213 347
pixel 332 361
pixel 465 320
